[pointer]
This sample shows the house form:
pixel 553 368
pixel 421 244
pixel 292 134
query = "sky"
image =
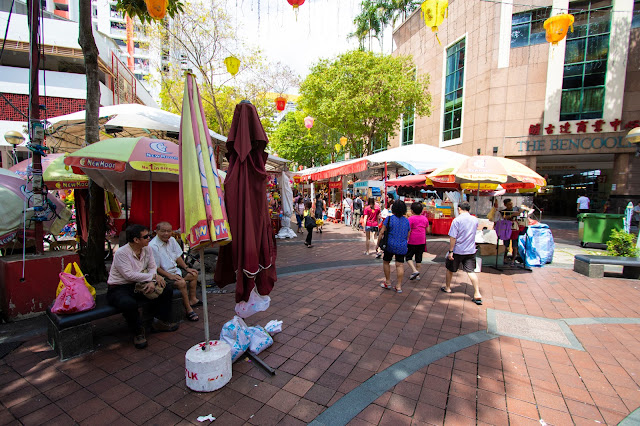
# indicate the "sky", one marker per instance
pixel 320 30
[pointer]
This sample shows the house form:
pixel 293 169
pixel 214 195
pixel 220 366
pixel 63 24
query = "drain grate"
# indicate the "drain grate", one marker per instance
pixel 535 329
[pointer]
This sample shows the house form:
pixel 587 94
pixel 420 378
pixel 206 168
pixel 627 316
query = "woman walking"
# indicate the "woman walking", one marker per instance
pixel 299 207
pixel 417 238
pixel 320 208
pixel 309 224
pixel 398 228
pixel 371 215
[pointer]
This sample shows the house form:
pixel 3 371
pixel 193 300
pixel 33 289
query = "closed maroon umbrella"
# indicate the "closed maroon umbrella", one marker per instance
pixel 249 260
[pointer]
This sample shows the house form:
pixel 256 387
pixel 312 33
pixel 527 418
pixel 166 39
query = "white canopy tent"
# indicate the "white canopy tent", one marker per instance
pixel 416 159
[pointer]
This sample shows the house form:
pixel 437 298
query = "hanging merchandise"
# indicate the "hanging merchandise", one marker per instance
pixel 296 4
pixel 281 103
pixel 157 8
pixel 557 27
pixel 233 64
pixel 308 122
pixel 434 13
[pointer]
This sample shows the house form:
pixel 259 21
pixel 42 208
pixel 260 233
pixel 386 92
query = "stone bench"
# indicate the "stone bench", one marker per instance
pixel 72 335
pixel 593 266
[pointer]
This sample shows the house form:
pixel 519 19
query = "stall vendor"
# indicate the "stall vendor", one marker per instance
pixel 511 212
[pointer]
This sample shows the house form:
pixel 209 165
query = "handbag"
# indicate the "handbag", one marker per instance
pixel 309 222
pixel 152 295
pixel 384 241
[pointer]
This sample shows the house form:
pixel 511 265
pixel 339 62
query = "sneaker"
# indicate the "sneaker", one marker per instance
pixel 140 341
pixel 158 325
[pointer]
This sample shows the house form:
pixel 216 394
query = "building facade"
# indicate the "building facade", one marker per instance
pixel 499 88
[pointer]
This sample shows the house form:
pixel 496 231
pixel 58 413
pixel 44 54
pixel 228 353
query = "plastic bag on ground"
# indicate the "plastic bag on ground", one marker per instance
pixel 274 326
pixel 256 303
pixel 236 333
pixel 260 339
pixel 74 296
pixel 536 247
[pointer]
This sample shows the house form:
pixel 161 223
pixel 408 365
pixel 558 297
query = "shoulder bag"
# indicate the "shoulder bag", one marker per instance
pixel 384 241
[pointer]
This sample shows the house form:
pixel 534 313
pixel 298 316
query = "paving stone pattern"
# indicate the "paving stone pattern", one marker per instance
pixel 340 329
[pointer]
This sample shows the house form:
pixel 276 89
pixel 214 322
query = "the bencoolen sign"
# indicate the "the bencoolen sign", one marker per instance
pixel 573 144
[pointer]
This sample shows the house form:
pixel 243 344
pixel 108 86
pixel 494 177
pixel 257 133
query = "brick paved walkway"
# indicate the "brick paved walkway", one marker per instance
pixel 340 329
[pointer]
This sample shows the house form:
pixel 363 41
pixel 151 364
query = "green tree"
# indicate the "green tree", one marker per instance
pixel 138 9
pixel 293 141
pixel 376 15
pixel 363 95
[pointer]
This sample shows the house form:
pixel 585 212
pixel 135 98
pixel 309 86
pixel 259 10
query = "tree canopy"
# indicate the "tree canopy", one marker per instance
pixel 293 141
pixel 376 15
pixel 363 95
pixel 138 9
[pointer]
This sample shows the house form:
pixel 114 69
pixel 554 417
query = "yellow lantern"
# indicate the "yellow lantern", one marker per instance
pixel 233 64
pixel 338 147
pixel 157 8
pixel 557 27
pixel 343 141
pixel 434 12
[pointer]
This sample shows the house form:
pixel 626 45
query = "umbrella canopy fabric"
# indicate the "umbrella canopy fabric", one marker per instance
pixel 203 216
pixel 112 162
pixel 12 207
pixel 418 181
pixel 55 174
pixel 249 260
pixel 486 173
pixel 125 120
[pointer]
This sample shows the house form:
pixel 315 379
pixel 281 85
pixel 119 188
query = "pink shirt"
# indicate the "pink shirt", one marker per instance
pixel 127 268
pixel 419 225
pixel 372 216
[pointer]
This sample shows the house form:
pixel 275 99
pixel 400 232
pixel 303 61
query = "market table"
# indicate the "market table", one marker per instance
pixel 440 226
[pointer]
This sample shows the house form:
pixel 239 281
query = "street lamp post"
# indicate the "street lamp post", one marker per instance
pixel 634 137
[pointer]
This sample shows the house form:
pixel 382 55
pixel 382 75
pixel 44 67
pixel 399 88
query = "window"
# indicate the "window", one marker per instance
pixel 408 119
pixel 635 22
pixel 585 61
pixel 379 143
pixel 527 27
pixel 453 91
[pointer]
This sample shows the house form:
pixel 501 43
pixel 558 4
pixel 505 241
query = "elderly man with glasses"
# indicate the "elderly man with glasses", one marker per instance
pixel 133 263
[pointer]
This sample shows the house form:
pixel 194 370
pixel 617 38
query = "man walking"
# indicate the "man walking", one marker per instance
pixel 347 205
pixel 358 206
pixel 462 250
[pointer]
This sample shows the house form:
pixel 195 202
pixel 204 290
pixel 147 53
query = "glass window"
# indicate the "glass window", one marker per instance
pixel 453 91
pixel 635 22
pixel 408 119
pixel 379 143
pixel 527 27
pixel 585 61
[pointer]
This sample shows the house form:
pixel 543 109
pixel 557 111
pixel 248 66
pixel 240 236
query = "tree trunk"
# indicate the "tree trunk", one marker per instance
pixel 92 256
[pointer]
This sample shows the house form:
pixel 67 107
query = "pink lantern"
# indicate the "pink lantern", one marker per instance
pixel 308 122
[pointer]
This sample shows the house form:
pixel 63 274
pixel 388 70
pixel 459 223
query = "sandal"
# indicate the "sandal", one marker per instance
pixel 444 289
pixel 477 301
pixel 378 255
pixel 385 285
pixel 198 303
pixel 398 290
pixel 414 276
pixel 192 316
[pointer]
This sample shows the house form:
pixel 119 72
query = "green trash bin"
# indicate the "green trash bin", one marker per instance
pixel 597 227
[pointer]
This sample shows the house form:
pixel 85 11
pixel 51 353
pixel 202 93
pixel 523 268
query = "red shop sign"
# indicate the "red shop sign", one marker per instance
pixel 335 185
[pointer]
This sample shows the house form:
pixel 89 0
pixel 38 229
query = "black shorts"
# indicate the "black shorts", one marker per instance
pixel 388 256
pixel 468 262
pixel 415 250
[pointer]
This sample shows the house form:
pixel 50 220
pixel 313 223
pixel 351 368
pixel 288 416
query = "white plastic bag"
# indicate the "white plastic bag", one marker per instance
pixel 237 335
pixel 256 303
pixel 274 326
pixel 260 339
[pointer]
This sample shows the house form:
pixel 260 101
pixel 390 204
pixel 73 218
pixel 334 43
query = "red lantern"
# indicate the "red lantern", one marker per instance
pixel 281 103
pixel 296 4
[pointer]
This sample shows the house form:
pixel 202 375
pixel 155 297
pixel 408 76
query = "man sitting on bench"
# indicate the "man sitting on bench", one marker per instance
pixel 133 263
pixel 168 256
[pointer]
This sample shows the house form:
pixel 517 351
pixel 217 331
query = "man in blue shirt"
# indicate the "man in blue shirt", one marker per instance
pixel 462 250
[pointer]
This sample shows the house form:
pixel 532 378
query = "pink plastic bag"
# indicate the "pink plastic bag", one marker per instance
pixel 74 297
